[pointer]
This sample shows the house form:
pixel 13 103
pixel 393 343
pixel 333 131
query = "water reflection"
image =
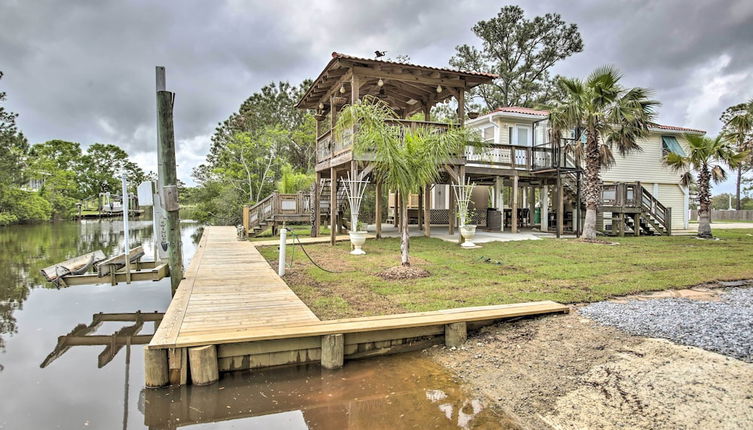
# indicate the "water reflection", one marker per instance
pixel 75 389
pixel 395 392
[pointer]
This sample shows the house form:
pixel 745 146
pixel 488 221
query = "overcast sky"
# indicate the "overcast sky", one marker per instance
pixel 84 70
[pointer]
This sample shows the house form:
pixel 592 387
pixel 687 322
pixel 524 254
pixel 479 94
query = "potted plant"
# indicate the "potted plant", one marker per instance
pixel 473 114
pixel 358 238
pixel 468 231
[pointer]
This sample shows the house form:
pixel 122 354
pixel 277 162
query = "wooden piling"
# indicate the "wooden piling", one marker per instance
pixel 203 364
pixel 455 334
pixel 155 368
pixel 333 351
pixel 177 362
pixel 165 100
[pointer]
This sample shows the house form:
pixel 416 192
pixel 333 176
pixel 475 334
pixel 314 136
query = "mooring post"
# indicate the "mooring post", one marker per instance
pixel 169 192
pixel 203 364
pixel 455 334
pixel 156 372
pixel 124 204
pixel 333 351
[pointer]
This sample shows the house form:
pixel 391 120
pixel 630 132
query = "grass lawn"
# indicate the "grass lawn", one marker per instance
pixel 566 271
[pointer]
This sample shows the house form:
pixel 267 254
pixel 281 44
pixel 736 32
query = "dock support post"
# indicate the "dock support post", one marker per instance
pixel 455 334
pixel 177 361
pixel 333 351
pixel 203 363
pixel 155 368
pixel 169 192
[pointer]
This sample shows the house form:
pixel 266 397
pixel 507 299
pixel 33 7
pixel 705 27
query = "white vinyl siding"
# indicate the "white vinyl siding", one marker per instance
pixel 644 166
pixel 671 196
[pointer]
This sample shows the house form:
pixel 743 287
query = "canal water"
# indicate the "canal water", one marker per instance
pixel 74 392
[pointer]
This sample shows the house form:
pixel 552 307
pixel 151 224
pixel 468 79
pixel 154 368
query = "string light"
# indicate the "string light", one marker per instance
pixel 321 105
pixel 439 88
pixel 342 89
pixel 380 83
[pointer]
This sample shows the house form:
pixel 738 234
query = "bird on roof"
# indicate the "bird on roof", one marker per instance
pixel 380 53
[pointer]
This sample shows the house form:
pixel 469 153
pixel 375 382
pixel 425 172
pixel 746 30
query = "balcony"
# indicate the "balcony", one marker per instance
pixel 546 157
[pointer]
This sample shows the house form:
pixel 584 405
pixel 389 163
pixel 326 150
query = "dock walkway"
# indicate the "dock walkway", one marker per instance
pixel 233 312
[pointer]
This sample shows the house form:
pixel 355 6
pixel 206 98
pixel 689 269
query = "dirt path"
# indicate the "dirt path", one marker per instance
pixel 567 372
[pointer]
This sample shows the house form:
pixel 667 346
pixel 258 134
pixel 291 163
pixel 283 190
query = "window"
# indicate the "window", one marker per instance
pixel 670 144
pixel 488 135
pixel 524 136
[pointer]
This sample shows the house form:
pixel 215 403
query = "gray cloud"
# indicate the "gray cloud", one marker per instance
pixel 84 71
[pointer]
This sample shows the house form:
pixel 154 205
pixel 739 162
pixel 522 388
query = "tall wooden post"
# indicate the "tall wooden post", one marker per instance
pixel 427 211
pixel 316 201
pixel 514 214
pixel 461 107
pixel 378 209
pixel 332 205
pixel 396 208
pixel 169 192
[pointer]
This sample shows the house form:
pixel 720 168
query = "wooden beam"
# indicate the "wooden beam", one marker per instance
pixel 333 90
pixel 408 77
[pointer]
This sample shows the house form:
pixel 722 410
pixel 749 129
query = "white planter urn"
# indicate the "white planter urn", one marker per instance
pixel 468 232
pixel 357 239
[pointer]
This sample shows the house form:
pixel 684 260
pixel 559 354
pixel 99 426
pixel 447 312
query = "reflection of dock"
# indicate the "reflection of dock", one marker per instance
pixel 232 312
pixel 129 335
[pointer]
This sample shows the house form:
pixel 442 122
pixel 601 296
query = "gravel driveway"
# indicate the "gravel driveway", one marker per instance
pixel 724 326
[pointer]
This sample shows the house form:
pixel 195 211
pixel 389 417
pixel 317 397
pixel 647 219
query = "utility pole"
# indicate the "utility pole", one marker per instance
pixel 169 191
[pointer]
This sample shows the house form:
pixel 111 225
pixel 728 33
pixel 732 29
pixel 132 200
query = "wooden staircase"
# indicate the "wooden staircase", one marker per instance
pixel 277 208
pixel 634 211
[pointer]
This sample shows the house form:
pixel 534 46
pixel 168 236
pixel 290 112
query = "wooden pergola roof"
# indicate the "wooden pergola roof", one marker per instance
pixel 410 87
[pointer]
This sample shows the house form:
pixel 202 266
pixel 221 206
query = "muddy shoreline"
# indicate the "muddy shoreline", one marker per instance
pixel 567 371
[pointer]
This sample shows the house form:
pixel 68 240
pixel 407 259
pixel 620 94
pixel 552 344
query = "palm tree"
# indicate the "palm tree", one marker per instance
pixel 610 117
pixel 405 160
pixel 706 156
pixel 739 129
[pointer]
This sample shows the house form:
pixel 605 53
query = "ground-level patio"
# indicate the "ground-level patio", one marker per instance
pixel 482 236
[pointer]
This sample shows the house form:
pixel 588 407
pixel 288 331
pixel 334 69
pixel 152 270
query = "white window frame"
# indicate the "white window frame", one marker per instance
pixel 515 128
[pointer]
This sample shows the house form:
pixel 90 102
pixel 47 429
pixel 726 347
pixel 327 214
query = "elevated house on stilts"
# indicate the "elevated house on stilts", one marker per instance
pixel 525 179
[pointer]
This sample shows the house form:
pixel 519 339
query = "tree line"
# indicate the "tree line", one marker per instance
pixel 45 181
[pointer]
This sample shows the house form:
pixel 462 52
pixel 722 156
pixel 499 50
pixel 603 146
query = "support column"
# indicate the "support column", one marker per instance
pixel 451 211
pixel 177 361
pixel 420 218
pixel 544 203
pixel 514 216
pixel 333 351
pixel 499 198
pixel 560 207
pixel 203 363
pixel 396 208
pixel 316 201
pixel 332 205
pixel 531 204
pixel 427 211
pixel 455 334
pixel 378 209
pixel 155 368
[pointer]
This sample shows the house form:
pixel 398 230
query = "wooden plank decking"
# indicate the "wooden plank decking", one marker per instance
pixel 228 286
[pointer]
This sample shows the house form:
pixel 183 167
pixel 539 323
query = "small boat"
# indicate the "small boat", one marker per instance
pixel 73 266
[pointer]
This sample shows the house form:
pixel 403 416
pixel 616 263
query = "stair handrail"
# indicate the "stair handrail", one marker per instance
pixel 655 208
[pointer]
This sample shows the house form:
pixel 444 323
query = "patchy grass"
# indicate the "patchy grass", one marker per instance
pixel 566 271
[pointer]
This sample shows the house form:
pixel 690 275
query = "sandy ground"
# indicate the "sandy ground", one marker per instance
pixel 567 372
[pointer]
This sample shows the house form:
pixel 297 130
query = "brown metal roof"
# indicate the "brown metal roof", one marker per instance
pixel 475 78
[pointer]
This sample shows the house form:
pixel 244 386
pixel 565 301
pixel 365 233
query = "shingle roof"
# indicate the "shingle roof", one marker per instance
pixel 439 69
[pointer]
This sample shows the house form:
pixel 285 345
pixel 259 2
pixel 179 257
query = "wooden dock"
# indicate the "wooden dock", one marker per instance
pixel 232 312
